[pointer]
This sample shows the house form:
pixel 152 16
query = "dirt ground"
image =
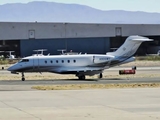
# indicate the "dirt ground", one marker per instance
pixel 143 63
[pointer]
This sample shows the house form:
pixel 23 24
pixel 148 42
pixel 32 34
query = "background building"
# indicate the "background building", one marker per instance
pixel 24 37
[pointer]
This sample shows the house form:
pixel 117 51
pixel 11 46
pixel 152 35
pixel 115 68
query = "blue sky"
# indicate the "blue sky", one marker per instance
pixel 129 5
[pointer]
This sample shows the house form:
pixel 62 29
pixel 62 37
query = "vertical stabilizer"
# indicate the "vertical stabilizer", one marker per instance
pixel 130 46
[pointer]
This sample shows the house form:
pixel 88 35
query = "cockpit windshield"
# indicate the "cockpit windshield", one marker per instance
pixel 24 60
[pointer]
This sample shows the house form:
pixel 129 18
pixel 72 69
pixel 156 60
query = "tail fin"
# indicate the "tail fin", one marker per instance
pixel 130 46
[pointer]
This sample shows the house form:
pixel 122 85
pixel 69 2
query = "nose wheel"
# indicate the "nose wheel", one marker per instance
pixel 23 78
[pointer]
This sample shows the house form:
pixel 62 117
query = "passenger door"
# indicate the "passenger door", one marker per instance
pixel 36 64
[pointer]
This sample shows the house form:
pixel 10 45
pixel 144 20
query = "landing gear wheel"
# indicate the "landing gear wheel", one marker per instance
pixel 100 75
pixel 23 78
pixel 134 68
pixel 82 77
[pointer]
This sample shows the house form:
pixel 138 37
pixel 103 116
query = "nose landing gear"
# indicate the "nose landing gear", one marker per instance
pixel 23 78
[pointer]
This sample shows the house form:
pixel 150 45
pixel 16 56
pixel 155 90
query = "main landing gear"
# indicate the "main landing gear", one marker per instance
pixel 82 77
pixel 100 75
pixel 23 78
pixel 134 67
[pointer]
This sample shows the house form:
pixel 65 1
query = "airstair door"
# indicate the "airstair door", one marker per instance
pixel 36 64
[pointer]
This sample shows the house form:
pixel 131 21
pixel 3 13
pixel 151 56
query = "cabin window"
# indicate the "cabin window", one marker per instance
pixel 56 61
pixel 62 61
pixel 74 61
pixel 24 60
pixel 68 61
pixel 51 61
pixel 45 61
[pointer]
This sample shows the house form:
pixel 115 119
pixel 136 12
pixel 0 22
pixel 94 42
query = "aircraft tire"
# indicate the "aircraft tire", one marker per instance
pixel 100 75
pixel 23 79
pixel 82 77
pixel 134 68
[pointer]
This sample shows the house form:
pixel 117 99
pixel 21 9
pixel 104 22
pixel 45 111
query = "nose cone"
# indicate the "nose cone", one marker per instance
pixel 12 68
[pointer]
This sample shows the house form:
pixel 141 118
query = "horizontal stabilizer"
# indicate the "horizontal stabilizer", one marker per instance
pixel 143 40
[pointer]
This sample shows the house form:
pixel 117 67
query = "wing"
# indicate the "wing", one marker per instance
pixel 75 70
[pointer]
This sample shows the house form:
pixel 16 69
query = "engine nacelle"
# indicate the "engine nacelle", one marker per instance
pixel 102 59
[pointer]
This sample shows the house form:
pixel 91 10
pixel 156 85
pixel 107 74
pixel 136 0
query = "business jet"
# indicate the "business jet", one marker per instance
pixel 10 56
pixel 39 52
pixel 80 64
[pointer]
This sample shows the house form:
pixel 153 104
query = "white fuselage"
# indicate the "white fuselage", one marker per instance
pixel 62 63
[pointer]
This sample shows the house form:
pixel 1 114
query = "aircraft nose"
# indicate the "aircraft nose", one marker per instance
pixel 11 68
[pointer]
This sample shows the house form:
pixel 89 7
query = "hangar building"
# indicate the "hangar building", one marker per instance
pixel 24 37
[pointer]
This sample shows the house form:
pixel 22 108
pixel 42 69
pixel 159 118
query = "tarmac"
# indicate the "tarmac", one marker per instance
pixel 109 104
pixel 19 102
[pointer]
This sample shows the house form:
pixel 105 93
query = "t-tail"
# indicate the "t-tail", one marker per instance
pixel 130 46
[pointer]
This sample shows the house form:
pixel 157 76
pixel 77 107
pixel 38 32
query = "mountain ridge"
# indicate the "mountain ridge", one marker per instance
pixel 74 13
